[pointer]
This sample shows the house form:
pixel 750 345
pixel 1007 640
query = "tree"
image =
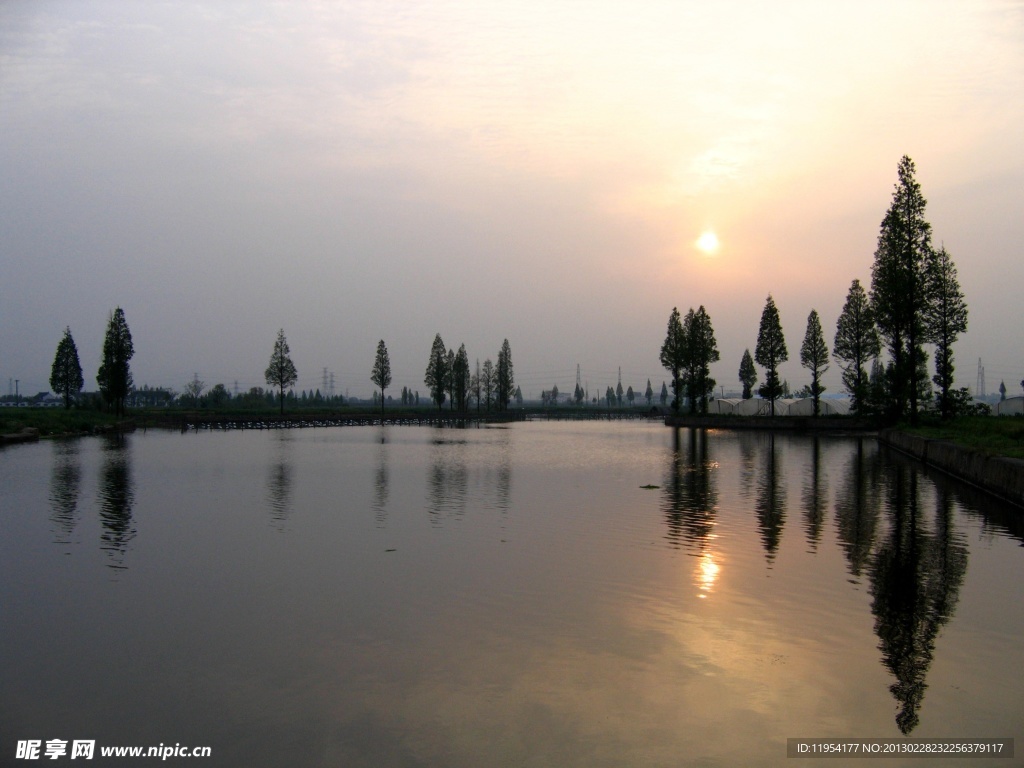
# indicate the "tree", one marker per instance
pixel 899 288
pixel 649 393
pixel 664 394
pixel 194 389
pixel 281 371
pixel 770 352
pixel 115 375
pixel 381 374
pixel 699 351
pixel 1002 390
pixel 673 355
pixel 505 378
pixel 618 394
pixel 460 379
pixel 947 319
pixel 436 376
pixel 748 374
pixel 66 372
pixel 218 396
pixel 814 357
pixel 487 383
pixel 630 395
pixel 856 342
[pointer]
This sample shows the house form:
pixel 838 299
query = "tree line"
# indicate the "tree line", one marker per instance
pixel 915 299
pixel 448 376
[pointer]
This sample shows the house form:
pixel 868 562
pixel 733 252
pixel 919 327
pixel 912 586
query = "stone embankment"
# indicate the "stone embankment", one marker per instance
pixel 27 435
pixel 998 475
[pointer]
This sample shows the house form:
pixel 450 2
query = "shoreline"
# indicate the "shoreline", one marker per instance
pixel 998 475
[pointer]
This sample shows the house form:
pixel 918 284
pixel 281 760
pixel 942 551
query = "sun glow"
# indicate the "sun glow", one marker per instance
pixel 708 242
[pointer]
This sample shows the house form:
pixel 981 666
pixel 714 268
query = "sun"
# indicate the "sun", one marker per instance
pixel 708 243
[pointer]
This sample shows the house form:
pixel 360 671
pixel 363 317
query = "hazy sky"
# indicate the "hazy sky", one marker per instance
pixel 540 171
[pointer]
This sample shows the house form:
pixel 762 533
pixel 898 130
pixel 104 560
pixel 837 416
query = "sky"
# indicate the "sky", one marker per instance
pixel 537 171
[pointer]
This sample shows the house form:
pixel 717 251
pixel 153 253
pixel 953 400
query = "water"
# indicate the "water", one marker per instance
pixel 407 596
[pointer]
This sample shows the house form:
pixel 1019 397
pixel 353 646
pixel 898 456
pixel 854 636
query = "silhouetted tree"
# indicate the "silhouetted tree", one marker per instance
pixel 436 376
pixel 855 343
pixel 947 319
pixel 673 356
pixel 699 351
pixel 664 393
pixel 194 388
pixel 115 375
pixel 281 371
pixel 814 357
pixel 899 288
pixel 487 383
pixel 218 396
pixel 381 374
pixel 770 352
pixel 504 377
pixel 460 379
pixel 66 373
pixel 649 393
pixel 1002 390
pixel 630 396
pixel 748 374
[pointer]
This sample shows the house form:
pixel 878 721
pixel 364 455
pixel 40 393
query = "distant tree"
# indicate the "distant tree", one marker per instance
pixel 381 373
pixel 609 396
pixel 461 379
pixel 630 396
pixel 115 375
pixel 664 394
pixel 436 376
pixel 649 394
pixel 505 377
pixel 193 389
pixel 554 394
pixel 519 396
pixel 856 342
pixel 66 372
pixel 814 357
pixel 899 289
pixel 748 374
pixel 474 384
pixel 673 356
pixel 1002 390
pixel 947 319
pixel 618 394
pixel 218 396
pixel 487 383
pixel 281 371
pixel 770 352
pixel 577 395
pixel 699 351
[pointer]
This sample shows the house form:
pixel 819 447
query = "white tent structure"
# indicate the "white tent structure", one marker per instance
pixel 754 406
pixel 1011 406
pixel 826 407
pixel 724 405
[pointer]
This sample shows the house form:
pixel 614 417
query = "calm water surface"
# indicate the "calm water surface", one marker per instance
pixel 412 596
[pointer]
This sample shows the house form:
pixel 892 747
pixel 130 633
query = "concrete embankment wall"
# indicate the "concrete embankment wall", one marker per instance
pixel 1000 476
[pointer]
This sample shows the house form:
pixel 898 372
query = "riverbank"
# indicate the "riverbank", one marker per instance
pixel 999 475
pixel 774 423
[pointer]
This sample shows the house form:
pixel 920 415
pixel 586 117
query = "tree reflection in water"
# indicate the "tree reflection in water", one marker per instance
pixel 280 481
pixel 116 499
pixel 690 498
pixel 915 581
pixel 770 504
pixel 65 483
pixel 857 507
pixel 381 490
pixel 814 494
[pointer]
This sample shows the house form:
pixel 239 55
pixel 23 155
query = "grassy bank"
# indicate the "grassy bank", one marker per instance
pixel 991 435
pixel 53 421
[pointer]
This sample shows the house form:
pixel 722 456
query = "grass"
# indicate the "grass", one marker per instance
pixel 53 421
pixel 992 435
